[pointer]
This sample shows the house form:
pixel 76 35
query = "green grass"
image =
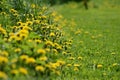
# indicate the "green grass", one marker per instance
pixel 103 23
pixel 94 33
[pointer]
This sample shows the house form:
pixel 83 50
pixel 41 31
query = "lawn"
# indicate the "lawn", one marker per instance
pixel 95 39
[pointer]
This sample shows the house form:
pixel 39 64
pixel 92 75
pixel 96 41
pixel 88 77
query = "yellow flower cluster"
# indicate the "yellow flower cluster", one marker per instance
pixel 21 70
pixel 20 32
pixel 41 51
pixel 2 31
pixel 3 60
pixel 3 75
pixel 4 53
pixel 39 68
pixel 31 42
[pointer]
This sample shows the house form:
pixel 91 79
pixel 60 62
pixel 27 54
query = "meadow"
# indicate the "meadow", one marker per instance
pixel 62 42
pixel 96 39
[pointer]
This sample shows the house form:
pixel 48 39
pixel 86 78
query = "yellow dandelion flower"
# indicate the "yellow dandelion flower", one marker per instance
pixel 59 47
pixel 49 43
pixel 38 41
pixel 76 69
pixel 23 31
pixel 13 11
pixel 3 75
pixel 26 28
pixel 99 66
pixel 3 13
pixel 13 27
pixel 64 53
pixel 22 36
pixel 80 58
pixel 43 58
pixel 3 31
pixel 44 7
pixel 43 17
pixel 78 32
pixel 17 50
pixel 47 49
pixel 56 44
pixel 14 72
pixel 29 23
pixel 47 65
pixel 114 64
pixel 23 71
pixel 16 15
pixel 12 38
pixel 52 34
pixel 41 51
pixel 69 65
pixel 24 57
pixel 5 39
pixel 57 64
pixel 76 65
pixel 30 60
pixel 36 21
pixel 104 74
pixel 11 34
pixel 53 65
pixel 4 53
pixel 61 62
pixel 19 23
pixel 32 5
pixel 40 68
pixel 18 38
pixel 55 51
pixel 3 60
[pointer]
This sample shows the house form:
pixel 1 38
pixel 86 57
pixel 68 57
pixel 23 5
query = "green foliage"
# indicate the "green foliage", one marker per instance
pixel 31 40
